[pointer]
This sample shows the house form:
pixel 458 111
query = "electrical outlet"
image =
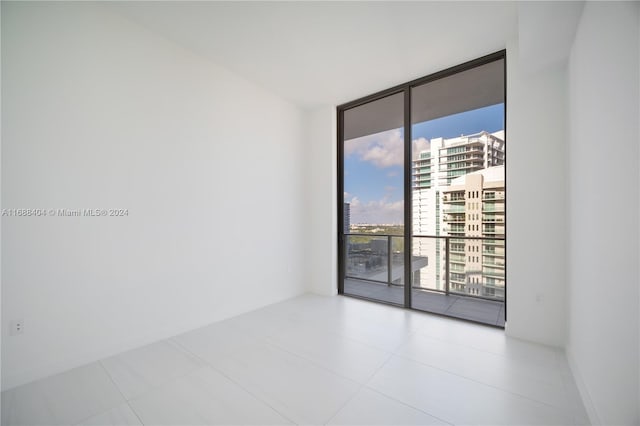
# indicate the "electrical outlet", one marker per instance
pixel 17 327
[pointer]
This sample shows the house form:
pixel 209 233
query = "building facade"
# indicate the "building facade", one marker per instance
pixel 474 207
pixel 449 180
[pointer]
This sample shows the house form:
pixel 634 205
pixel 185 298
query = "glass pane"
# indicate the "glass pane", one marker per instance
pixel 397 260
pixel 367 257
pixel 428 267
pixel 373 211
pixel 458 182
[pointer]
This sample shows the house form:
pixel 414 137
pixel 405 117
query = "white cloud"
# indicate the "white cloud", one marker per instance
pixel 385 149
pixel 382 149
pixel 419 145
pixel 377 211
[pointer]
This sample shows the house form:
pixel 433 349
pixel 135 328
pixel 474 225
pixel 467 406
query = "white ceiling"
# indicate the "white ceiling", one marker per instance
pixel 316 53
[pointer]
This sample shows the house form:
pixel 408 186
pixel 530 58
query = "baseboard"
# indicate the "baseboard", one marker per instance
pixel 594 419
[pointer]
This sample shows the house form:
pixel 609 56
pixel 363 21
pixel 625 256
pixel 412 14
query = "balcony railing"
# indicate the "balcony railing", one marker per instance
pixel 438 263
pixel 493 251
pixel 455 209
pixel 373 257
pixel 488 208
pixel 455 218
pixel 493 219
pixel 492 230
pixel 493 196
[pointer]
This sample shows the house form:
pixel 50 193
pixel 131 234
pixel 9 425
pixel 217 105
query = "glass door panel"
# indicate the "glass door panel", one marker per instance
pixel 458 194
pixel 373 209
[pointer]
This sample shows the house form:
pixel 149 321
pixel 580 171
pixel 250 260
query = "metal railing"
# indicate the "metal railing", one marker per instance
pixel 375 258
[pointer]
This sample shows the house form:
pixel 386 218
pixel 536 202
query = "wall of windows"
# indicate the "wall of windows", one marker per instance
pixel 421 173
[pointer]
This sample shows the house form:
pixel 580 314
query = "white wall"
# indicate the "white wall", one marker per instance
pixel 536 201
pixel 100 113
pixel 1 323
pixel 603 228
pixel 321 175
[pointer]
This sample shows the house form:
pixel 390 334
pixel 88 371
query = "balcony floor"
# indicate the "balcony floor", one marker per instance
pixel 464 307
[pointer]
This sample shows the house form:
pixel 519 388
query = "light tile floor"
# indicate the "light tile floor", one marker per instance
pixel 314 360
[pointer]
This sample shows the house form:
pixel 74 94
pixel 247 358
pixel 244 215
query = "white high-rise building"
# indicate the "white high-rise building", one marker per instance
pixel 473 206
pixel 434 170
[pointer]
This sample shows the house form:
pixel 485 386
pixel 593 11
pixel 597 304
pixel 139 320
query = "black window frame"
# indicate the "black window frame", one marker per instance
pixel 406 88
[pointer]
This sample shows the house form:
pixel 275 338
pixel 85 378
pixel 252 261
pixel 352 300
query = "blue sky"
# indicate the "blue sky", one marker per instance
pixel 373 164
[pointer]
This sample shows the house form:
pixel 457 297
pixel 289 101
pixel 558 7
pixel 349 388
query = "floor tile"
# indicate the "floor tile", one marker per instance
pixel 376 332
pixel 137 371
pixel 297 388
pixel 122 415
pixel 313 360
pixel 372 408
pixel 204 397
pixel 335 352
pixel 458 400
pixel 217 341
pixel 541 383
pixel 63 399
pixel 489 339
pixel 264 322
pixel 378 337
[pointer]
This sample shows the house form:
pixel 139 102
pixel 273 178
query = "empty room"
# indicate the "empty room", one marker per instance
pixel 320 213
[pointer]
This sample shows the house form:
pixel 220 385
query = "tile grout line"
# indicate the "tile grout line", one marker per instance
pixel 353 339
pixel 360 387
pixel 462 345
pixel 405 358
pixel 152 387
pixel 256 397
pixel 456 374
pixel 312 362
pixel 407 405
pixel 317 364
pixel 501 356
pixel 367 385
pixel 119 391
pixel 364 384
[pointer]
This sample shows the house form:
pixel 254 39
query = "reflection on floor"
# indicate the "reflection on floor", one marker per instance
pixel 469 308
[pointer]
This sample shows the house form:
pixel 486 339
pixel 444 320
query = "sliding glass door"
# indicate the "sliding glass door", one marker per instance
pixel 422 193
pixel 373 207
pixel 458 188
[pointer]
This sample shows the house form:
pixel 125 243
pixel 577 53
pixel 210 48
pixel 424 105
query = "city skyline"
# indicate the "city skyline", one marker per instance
pixel 374 163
